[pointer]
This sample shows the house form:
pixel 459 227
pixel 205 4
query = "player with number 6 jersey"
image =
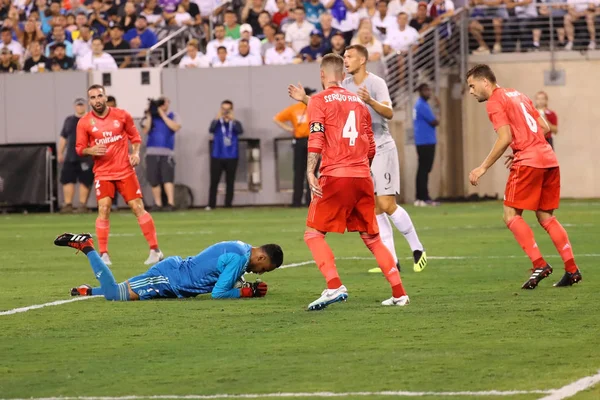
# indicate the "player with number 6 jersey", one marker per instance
pixel 341 134
pixel 534 180
pixel 105 133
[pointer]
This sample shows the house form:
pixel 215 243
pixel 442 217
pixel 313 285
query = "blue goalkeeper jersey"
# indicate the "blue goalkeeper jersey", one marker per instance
pixel 215 270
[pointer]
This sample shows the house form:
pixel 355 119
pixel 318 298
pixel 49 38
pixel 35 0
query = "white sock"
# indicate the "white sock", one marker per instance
pixel 404 224
pixel 387 234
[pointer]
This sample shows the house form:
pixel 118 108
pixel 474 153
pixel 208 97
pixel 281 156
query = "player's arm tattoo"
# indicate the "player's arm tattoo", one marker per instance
pixel 311 165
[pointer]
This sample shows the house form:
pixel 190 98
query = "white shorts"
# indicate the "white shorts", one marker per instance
pixel 385 171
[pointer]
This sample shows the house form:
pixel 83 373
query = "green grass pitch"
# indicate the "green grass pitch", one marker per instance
pixel 469 326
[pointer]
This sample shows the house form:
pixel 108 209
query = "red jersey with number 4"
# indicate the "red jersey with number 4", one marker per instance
pixel 114 131
pixel 340 129
pixel 512 108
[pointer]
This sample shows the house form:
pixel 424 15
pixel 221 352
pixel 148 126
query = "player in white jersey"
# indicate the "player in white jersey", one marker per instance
pixel 385 168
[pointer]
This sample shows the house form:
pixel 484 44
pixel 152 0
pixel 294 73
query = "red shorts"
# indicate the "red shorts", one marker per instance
pixel 530 188
pixel 346 204
pixel 129 188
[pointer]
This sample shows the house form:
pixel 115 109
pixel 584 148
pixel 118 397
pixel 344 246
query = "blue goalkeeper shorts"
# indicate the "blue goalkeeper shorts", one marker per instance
pixel 155 283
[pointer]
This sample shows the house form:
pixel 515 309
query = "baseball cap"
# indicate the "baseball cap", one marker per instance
pixel 316 32
pixel 309 91
pixel 245 28
pixel 79 101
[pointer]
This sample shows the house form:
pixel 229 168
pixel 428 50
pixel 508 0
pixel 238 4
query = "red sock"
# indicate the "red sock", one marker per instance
pixel 561 242
pixel 102 230
pixel 324 258
pixel 386 262
pixel 147 224
pixel 524 236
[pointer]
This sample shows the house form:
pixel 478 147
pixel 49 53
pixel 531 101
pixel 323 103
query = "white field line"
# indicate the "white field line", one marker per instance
pixel 292 265
pixel 573 388
pixel 299 394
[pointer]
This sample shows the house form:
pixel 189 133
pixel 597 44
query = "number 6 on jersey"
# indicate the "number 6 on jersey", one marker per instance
pixel 349 130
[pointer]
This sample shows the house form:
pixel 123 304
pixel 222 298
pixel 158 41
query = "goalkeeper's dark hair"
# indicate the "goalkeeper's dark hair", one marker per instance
pixel 274 252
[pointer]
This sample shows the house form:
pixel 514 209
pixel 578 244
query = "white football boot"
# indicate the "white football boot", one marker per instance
pixel 396 301
pixel 106 259
pixel 329 296
pixel 154 257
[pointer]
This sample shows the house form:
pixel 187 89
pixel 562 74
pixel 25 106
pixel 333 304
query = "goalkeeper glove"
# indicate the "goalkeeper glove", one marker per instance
pixel 255 289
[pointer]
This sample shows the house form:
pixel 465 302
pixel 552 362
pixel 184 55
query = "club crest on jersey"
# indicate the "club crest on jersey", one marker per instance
pixel 116 123
pixel 317 127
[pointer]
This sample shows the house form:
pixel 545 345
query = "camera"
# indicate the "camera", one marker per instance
pixel 153 105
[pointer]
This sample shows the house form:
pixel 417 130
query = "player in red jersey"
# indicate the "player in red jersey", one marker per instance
pixel 541 103
pixel 104 133
pixel 534 181
pixel 341 134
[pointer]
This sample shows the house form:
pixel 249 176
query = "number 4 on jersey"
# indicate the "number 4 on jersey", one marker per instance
pixel 349 130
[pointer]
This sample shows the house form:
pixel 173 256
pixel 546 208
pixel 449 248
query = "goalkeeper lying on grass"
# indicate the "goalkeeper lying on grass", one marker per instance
pixel 219 270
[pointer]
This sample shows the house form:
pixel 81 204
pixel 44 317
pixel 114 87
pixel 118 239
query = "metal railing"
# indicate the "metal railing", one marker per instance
pixel 442 49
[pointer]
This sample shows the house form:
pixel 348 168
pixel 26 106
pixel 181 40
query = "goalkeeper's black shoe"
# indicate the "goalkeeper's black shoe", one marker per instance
pixel 83 290
pixel 569 279
pixel 537 274
pixel 76 241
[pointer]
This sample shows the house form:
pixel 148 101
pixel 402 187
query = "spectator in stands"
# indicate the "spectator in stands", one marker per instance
pixel 116 43
pixel 225 153
pixel 194 12
pixel 130 16
pixel 577 11
pixel 424 124
pixel 269 40
pixel 98 18
pixel 221 60
pixel 219 41
pixel 161 125
pixel 421 21
pixel 194 58
pixel 383 22
pixel 232 28
pixel 314 9
pixel 75 169
pixel 244 56
pixel 401 39
pixel 58 33
pixel 141 37
pixel 250 14
pixel 368 10
pixel 153 14
pixel 541 103
pixel 282 12
pixel 97 59
pixel 407 6
pixel 315 50
pixel 494 9
pixel 16 49
pixel 557 12
pixel 294 120
pixel 297 35
pixel 31 33
pixel 7 65
pixel 327 31
pixel 38 61
pixel 246 33
pixel 60 61
pixel 264 19
pixel 83 44
pixel 366 38
pixel 338 44
pixel 280 54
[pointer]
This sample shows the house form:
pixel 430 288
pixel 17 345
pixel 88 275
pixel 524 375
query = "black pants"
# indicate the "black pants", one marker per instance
pixel 426 154
pixel 300 183
pixel 217 166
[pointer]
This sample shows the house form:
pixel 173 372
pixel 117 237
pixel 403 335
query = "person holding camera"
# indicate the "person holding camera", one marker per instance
pixel 160 125
pixel 224 155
